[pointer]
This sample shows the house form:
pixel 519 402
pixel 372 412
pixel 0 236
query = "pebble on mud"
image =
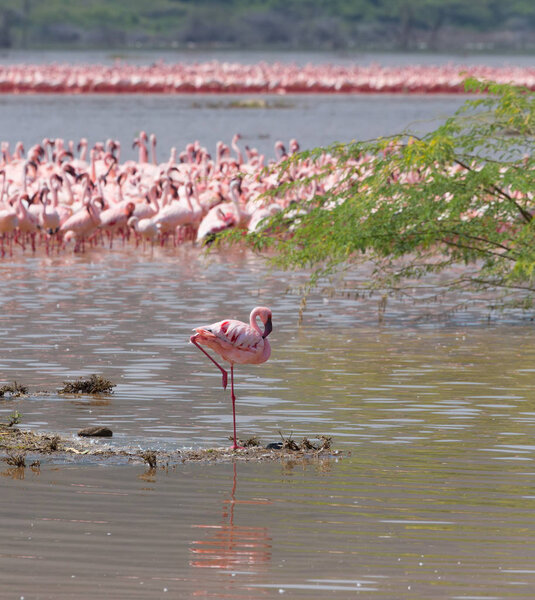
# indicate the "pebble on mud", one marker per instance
pixel 95 431
pixel 274 446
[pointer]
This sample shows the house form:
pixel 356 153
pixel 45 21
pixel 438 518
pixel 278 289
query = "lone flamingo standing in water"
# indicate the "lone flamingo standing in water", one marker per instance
pixel 236 342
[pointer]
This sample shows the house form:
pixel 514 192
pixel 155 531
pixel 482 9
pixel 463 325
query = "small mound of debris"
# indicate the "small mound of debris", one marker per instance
pixel 150 457
pixel 16 459
pixel 94 385
pixel 289 444
pixel 252 442
pixel 15 390
pixel 15 444
pixel 51 444
pixel 323 443
pixel 14 441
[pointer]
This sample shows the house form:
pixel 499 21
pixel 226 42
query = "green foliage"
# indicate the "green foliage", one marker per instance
pixel 255 22
pixel 14 419
pixel 463 193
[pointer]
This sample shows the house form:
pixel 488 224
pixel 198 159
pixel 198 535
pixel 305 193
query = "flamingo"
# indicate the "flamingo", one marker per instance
pixel 49 218
pixel 81 224
pixel 8 224
pixel 223 216
pixel 214 76
pixel 145 228
pixel 236 342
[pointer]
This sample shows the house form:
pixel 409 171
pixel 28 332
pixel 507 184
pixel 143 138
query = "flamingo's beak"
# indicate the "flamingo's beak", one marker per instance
pixel 268 328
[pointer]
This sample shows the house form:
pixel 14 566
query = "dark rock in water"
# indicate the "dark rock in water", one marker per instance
pixel 274 446
pixel 96 431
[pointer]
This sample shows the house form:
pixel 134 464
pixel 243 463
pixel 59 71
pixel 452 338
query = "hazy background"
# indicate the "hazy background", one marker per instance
pixel 384 25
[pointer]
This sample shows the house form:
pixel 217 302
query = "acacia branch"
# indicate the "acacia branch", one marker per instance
pixel 483 240
pixel 526 215
pixel 478 250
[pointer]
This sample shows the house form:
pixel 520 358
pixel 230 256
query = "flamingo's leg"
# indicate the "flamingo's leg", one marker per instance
pixel 235 445
pixel 192 339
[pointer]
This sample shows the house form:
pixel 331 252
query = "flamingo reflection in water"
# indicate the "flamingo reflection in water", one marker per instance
pixel 232 547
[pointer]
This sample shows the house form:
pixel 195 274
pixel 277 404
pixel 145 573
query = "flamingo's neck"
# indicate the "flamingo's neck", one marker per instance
pixel 252 320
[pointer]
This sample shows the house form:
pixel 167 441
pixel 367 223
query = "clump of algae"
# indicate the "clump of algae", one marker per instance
pixel 94 385
pixel 15 389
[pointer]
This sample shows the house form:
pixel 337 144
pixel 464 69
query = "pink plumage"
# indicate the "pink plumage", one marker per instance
pixel 236 342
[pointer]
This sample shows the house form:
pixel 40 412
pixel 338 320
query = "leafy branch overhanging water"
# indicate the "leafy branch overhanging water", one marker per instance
pixel 410 206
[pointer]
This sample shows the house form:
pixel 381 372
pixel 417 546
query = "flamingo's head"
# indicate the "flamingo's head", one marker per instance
pixel 56 180
pixel 67 168
pixel 294 146
pixel 265 316
pixel 100 201
pixel 121 178
pixel 130 207
pixel 236 183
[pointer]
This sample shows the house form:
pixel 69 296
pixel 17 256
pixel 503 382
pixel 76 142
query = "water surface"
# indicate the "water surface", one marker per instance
pixel 434 495
pixel 389 522
pixel 178 120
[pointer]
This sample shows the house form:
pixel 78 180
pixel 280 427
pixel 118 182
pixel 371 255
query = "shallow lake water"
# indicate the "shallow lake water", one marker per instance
pixel 144 57
pixel 433 496
pixel 386 523
pixel 179 120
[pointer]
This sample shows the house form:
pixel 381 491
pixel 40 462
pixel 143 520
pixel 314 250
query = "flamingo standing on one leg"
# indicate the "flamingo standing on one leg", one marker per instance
pixel 236 342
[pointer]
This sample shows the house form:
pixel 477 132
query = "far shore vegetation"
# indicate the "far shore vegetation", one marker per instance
pixel 415 25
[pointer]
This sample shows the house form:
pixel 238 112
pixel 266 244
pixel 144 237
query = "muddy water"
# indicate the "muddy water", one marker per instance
pixel 434 498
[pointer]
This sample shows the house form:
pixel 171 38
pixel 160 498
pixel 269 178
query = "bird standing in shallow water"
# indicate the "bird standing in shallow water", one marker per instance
pixel 236 342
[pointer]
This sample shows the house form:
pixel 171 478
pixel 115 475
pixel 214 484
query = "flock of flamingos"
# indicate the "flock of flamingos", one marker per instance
pixel 225 77
pixel 58 196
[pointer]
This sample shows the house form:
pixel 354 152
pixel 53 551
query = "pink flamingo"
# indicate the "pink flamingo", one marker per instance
pixel 81 224
pixel 8 225
pixel 223 216
pixel 236 342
